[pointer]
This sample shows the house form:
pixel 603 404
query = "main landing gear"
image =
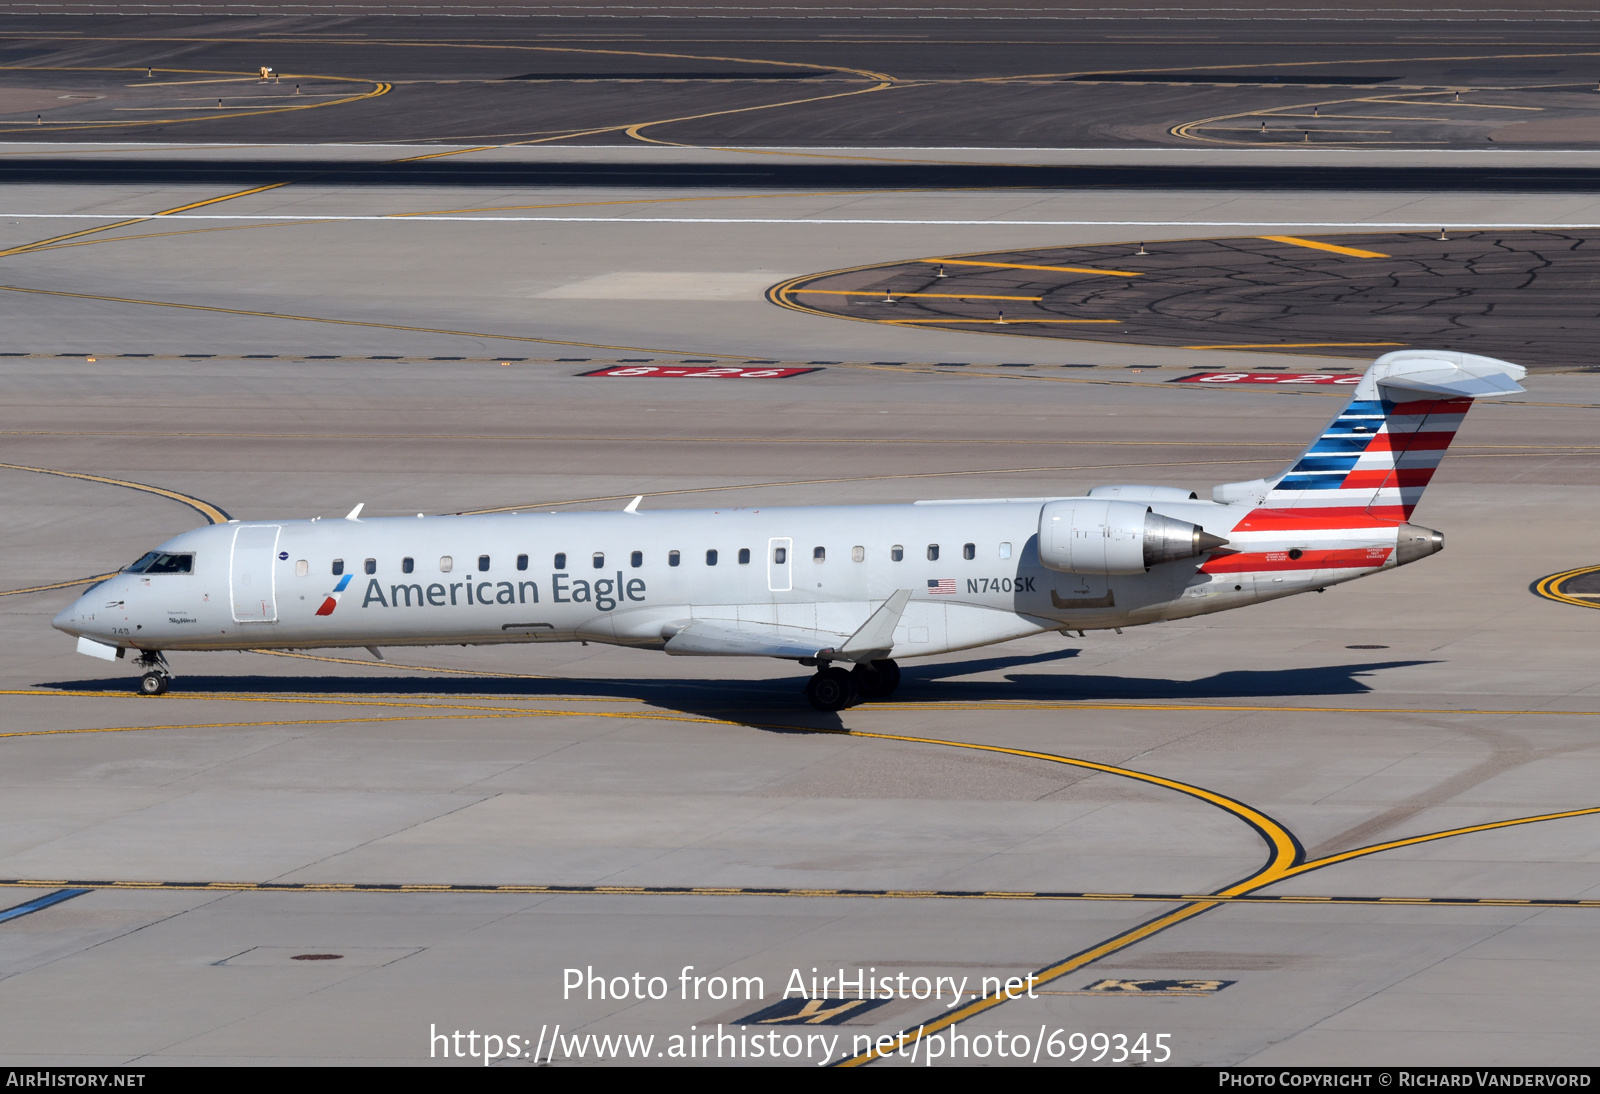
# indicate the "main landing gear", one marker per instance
pixel 833 689
pixel 157 673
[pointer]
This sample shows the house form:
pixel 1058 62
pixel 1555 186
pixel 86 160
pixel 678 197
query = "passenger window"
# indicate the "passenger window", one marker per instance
pixel 1005 550
pixel 672 558
pixel 780 555
pixel 407 565
pixel 969 552
pixel 483 564
pixel 858 554
pixel 819 554
pixel 636 559
pixel 561 560
pixel 371 565
pixel 933 552
pixel 897 552
pixel 522 563
pixel 711 558
pixel 302 567
pixel 446 564
pixel 744 556
pixel 599 560
pixel 338 567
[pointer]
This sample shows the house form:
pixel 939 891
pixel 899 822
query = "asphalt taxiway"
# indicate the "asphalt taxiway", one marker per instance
pixel 1351 826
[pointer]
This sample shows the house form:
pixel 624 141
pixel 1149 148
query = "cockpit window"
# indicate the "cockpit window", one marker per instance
pixel 157 562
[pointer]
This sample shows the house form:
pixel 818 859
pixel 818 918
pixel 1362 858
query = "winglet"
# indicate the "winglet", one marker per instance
pixel 876 635
pixel 633 506
pixel 355 514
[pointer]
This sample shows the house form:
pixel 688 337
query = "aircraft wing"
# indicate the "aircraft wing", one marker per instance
pixel 735 638
pixel 742 638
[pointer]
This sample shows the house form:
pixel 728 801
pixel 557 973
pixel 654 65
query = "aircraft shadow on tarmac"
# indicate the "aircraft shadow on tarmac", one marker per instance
pixel 754 701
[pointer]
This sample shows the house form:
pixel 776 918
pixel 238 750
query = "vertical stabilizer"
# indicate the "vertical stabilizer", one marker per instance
pixel 1378 454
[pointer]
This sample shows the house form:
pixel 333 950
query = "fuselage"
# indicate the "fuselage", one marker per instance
pixel 973 570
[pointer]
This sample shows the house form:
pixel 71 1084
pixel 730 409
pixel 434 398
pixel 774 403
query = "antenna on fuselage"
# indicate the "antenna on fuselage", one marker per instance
pixel 633 506
pixel 355 513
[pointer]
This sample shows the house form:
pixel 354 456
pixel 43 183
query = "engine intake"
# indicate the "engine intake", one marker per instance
pixel 1101 536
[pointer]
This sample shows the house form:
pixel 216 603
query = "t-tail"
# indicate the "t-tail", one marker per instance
pixel 1343 508
pixel 1373 461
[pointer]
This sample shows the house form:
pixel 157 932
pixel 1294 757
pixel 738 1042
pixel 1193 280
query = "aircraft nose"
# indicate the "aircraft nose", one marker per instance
pixel 67 619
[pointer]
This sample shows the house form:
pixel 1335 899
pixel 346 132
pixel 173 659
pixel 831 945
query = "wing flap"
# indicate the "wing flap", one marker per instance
pixel 730 638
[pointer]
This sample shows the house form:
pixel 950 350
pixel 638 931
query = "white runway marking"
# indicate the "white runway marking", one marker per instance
pixel 1404 226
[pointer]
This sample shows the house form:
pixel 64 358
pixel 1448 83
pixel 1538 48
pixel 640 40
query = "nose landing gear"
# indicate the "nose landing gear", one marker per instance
pixel 157 673
pixel 832 689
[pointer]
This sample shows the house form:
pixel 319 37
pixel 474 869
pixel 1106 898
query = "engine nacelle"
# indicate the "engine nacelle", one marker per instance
pixel 1101 536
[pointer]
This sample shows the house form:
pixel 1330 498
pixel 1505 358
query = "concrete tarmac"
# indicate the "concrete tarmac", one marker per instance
pixel 269 810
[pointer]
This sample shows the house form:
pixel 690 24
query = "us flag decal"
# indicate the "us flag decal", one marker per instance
pixel 942 585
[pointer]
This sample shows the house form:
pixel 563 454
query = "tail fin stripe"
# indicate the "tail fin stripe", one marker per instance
pixel 1431 440
pixel 1401 477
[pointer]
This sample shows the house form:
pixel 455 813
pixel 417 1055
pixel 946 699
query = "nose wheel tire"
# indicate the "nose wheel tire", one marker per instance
pixel 877 680
pixel 831 690
pixel 153 683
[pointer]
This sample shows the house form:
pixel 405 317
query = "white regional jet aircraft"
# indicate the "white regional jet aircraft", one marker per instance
pixel 829 586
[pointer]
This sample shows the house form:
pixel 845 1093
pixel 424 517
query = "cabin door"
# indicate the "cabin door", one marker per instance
pixel 251 576
pixel 780 565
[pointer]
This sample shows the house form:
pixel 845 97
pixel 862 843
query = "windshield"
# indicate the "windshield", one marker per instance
pixel 156 562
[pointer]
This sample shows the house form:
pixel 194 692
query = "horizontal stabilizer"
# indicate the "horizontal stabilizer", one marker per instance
pixel 1442 374
pixel 734 638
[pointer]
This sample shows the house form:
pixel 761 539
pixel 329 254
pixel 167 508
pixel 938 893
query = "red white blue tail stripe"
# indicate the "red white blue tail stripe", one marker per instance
pixel 1372 462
